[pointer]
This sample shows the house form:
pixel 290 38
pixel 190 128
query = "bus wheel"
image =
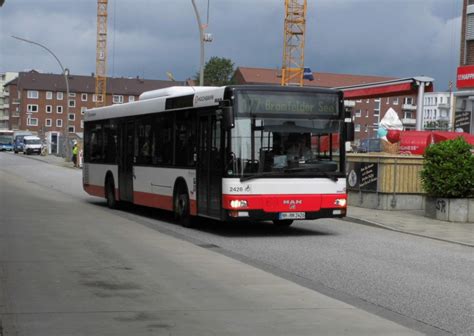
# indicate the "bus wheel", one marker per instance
pixel 181 206
pixel 110 193
pixel 282 222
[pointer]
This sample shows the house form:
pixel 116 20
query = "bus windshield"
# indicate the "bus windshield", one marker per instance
pixel 284 146
pixel 6 139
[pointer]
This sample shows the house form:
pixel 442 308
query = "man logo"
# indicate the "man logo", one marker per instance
pixel 292 202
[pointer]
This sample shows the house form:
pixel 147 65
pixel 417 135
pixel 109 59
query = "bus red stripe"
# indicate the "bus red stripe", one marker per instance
pixel 281 203
pixel 94 190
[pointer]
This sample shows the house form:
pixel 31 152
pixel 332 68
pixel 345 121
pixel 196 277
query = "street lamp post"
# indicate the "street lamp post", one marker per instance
pixel 65 72
pixel 202 38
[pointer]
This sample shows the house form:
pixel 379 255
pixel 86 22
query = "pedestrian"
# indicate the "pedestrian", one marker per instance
pixel 74 154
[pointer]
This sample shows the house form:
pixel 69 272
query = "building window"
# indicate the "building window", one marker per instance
pixel 376 113
pixel 358 113
pixel 408 100
pixel 49 95
pixel 59 109
pixel 96 99
pixel 71 129
pixel 59 95
pixel 82 124
pixel 84 97
pixel 357 128
pixel 48 122
pixel 32 121
pixel 359 101
pixel 32 108
pixel 377 104
pixel 395 101
pixel 388 101
pixel 366 113
pixel 117 99
pixel 83 109
pixel 49 108
pixel 72 116
pixel 59 123
pixel 72 103
pixel 408 115
pixel 131 98
pixel 33 94
pixel 72 95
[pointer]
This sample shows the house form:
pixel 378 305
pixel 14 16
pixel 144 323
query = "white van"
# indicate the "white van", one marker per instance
pixel 32 144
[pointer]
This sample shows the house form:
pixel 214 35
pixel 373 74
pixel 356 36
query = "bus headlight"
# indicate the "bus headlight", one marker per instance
pixel 340 202
pixel 238 204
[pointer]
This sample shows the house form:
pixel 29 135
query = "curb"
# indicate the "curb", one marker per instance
pixel 386 227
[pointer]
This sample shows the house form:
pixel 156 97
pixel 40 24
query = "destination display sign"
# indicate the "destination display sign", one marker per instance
pixel 302 103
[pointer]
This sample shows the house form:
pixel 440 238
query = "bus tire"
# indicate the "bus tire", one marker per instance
pixel 112 202
pixel 283 222
pixel 181 205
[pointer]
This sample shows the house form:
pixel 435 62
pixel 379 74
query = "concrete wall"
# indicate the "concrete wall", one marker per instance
pixel 450 209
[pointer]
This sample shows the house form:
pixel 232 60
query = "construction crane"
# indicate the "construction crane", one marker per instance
pixel 293 50
pixel 101 54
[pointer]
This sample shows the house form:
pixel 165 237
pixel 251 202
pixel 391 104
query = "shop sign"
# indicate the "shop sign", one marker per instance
pixel 465 77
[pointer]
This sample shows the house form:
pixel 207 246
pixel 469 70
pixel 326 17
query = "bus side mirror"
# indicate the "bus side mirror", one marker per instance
pixel 349 131
pixel 228 117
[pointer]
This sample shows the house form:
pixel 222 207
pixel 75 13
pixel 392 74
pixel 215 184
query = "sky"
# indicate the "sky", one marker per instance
pixel 148 38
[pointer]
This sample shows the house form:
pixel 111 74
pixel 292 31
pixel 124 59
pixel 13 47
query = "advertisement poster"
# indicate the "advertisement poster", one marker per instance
pixel 362 176
pixel 462 120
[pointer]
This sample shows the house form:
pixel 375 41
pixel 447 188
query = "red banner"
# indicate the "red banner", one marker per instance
pixel 465 77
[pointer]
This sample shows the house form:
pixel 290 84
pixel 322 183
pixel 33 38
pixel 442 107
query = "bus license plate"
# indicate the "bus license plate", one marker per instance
pixel 292 215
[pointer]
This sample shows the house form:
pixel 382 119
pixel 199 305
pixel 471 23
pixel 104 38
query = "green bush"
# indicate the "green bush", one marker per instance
pixel 448 170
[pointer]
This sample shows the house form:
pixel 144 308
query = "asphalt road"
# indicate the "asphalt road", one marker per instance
pixel 417 282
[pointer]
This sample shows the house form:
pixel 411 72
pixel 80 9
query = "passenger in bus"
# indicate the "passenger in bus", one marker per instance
pixel 297 148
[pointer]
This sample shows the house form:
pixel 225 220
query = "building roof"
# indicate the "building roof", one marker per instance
pixel 330 80
pixel 34 80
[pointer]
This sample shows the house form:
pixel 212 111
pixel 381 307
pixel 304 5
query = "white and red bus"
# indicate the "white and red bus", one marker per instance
pixel 227 153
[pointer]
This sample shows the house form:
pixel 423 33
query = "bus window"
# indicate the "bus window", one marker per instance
pixel 110 141
pixel 163 141
pixel 185 139
pixel 144 138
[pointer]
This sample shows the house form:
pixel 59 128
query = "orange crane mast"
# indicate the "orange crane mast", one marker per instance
pixel 293 50
pixel 101 54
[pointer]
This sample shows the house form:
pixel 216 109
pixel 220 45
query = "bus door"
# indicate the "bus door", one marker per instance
pixel 126 161
pixel 209 167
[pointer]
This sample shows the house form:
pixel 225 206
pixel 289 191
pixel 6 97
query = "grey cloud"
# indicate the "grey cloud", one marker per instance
pixel 149 37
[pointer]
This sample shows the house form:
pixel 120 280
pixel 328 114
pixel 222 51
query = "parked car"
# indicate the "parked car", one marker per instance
pixel 18 140
pixel 369 145
pixel 32 145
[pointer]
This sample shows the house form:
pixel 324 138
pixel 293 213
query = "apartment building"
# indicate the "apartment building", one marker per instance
pixel 5 98
pixel 464 106
pixel 39 103
pixel 437 107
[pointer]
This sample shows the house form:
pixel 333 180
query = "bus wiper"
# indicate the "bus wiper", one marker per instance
pixel 326 174
pixel 267 174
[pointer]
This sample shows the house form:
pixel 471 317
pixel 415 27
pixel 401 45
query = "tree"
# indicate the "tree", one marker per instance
pixel 218 71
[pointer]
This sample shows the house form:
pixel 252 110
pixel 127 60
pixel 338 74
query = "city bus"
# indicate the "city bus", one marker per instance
pixel 222 153
pixel 6 140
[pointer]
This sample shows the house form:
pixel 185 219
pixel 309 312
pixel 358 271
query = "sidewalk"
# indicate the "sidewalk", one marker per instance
pixel 409 221
pixel 414 222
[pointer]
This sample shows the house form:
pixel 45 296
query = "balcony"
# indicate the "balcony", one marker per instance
pixel 408 121
pixel 4 117
pixel 444 106
pixel 409 107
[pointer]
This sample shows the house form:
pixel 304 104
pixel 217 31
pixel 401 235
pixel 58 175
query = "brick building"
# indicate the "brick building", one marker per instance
pixel 464 112
pixel 38 101
pixel 367 112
